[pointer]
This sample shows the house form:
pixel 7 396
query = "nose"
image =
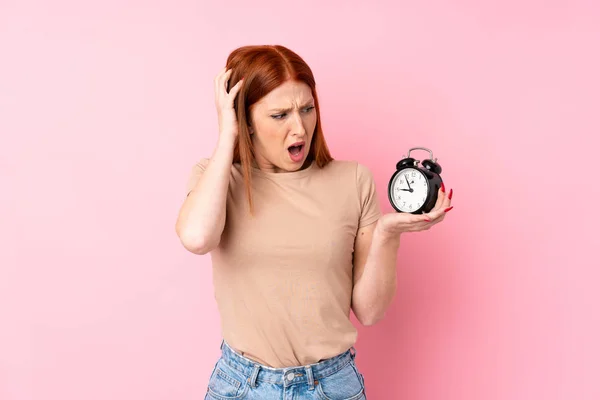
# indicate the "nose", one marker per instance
pixel 297 125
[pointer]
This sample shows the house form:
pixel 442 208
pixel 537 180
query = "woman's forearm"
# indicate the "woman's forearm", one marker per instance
pixel 376 288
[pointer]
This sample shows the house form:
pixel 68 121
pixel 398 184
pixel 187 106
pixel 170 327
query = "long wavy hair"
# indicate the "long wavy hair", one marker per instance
pixel 264 68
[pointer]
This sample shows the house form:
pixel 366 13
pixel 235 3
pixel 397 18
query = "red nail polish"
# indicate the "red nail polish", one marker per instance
pixel 427 220
pixel 450 195
pixel 443 188
pixel 448 209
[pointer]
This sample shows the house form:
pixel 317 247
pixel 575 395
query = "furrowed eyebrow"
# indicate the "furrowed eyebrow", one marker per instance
pixel 307 104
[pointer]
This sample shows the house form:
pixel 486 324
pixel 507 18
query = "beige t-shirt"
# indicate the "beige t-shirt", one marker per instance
pixel 283 277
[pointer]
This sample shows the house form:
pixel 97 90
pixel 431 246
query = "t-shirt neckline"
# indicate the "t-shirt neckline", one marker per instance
pixel 284 175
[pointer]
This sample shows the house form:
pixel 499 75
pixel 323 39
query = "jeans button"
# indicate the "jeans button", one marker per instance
pixel 290 376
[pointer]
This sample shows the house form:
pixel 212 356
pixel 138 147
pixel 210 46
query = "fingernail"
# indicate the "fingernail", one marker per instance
pixel 448 209
pixel 443 188
pixel 450 195
pixel 427 220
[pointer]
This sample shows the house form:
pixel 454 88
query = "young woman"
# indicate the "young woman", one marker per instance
pixel 297 239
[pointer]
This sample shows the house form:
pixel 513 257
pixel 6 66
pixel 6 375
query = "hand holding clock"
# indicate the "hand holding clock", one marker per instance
pixel 395 223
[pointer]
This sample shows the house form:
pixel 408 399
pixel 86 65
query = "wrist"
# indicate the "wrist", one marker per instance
pixel 226 142
pixel 384 235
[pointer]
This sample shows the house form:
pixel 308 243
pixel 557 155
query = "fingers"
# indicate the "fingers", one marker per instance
pixel 218 81
pixel 428 220
pixel 444 200
pixel 418 218
pixel 440 198
pixel 443 204
pixel 221 82
pixel 235 89
pixel 223 97
pixel 433 214
pixel 448 201
pixel 226 78
pixel 404 222
pixel 217 84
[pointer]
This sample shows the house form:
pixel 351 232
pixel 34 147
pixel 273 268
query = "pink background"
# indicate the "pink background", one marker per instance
pixel 106 105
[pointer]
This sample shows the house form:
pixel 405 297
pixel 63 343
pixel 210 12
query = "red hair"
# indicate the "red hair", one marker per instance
pixel 264 68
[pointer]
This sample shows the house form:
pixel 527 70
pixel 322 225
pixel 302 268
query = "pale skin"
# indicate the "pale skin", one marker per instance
pixel 284 117
pixel 375 257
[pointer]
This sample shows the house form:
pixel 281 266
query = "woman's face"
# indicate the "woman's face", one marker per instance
pixel 283 124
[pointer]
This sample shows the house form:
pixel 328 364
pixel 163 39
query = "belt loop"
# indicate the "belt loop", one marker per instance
pixel 310 378
pixel 254 376
pixel 352 352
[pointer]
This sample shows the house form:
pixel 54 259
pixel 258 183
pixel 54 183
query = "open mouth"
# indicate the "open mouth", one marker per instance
pixel 296 151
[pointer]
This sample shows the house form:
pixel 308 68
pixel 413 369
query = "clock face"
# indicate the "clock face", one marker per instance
pixel 409 190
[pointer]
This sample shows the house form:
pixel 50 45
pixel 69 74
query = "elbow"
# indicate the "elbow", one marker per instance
pixel 199 247
pixel 371 320
pixel 195 243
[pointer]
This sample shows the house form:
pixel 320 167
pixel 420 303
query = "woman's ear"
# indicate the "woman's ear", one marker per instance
pixel 250 129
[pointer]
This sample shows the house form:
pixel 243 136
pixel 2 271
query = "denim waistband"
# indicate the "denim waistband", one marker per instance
pixel 257 372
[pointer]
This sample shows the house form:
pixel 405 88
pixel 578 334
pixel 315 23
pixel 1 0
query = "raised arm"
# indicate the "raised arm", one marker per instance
pixel 201 218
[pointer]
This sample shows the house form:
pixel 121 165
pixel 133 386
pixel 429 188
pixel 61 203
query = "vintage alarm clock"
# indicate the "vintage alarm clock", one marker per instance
pixel 413 189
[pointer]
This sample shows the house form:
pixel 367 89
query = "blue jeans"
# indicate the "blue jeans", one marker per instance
pixel 238 377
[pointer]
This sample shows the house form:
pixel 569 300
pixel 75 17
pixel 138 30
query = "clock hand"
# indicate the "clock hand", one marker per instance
pixel 406 179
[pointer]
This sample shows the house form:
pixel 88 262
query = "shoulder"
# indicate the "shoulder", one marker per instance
pixel 355 181
pixel 196 171
pixel 352 168
pixel 200 166
pixel 352 175
pixel 341 165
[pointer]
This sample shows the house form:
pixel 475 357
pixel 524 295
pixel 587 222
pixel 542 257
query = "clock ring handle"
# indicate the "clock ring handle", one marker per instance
pixel 422 148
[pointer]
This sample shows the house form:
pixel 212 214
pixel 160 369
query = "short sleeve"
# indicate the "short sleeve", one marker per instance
pixel 367 196
pixel 195 174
